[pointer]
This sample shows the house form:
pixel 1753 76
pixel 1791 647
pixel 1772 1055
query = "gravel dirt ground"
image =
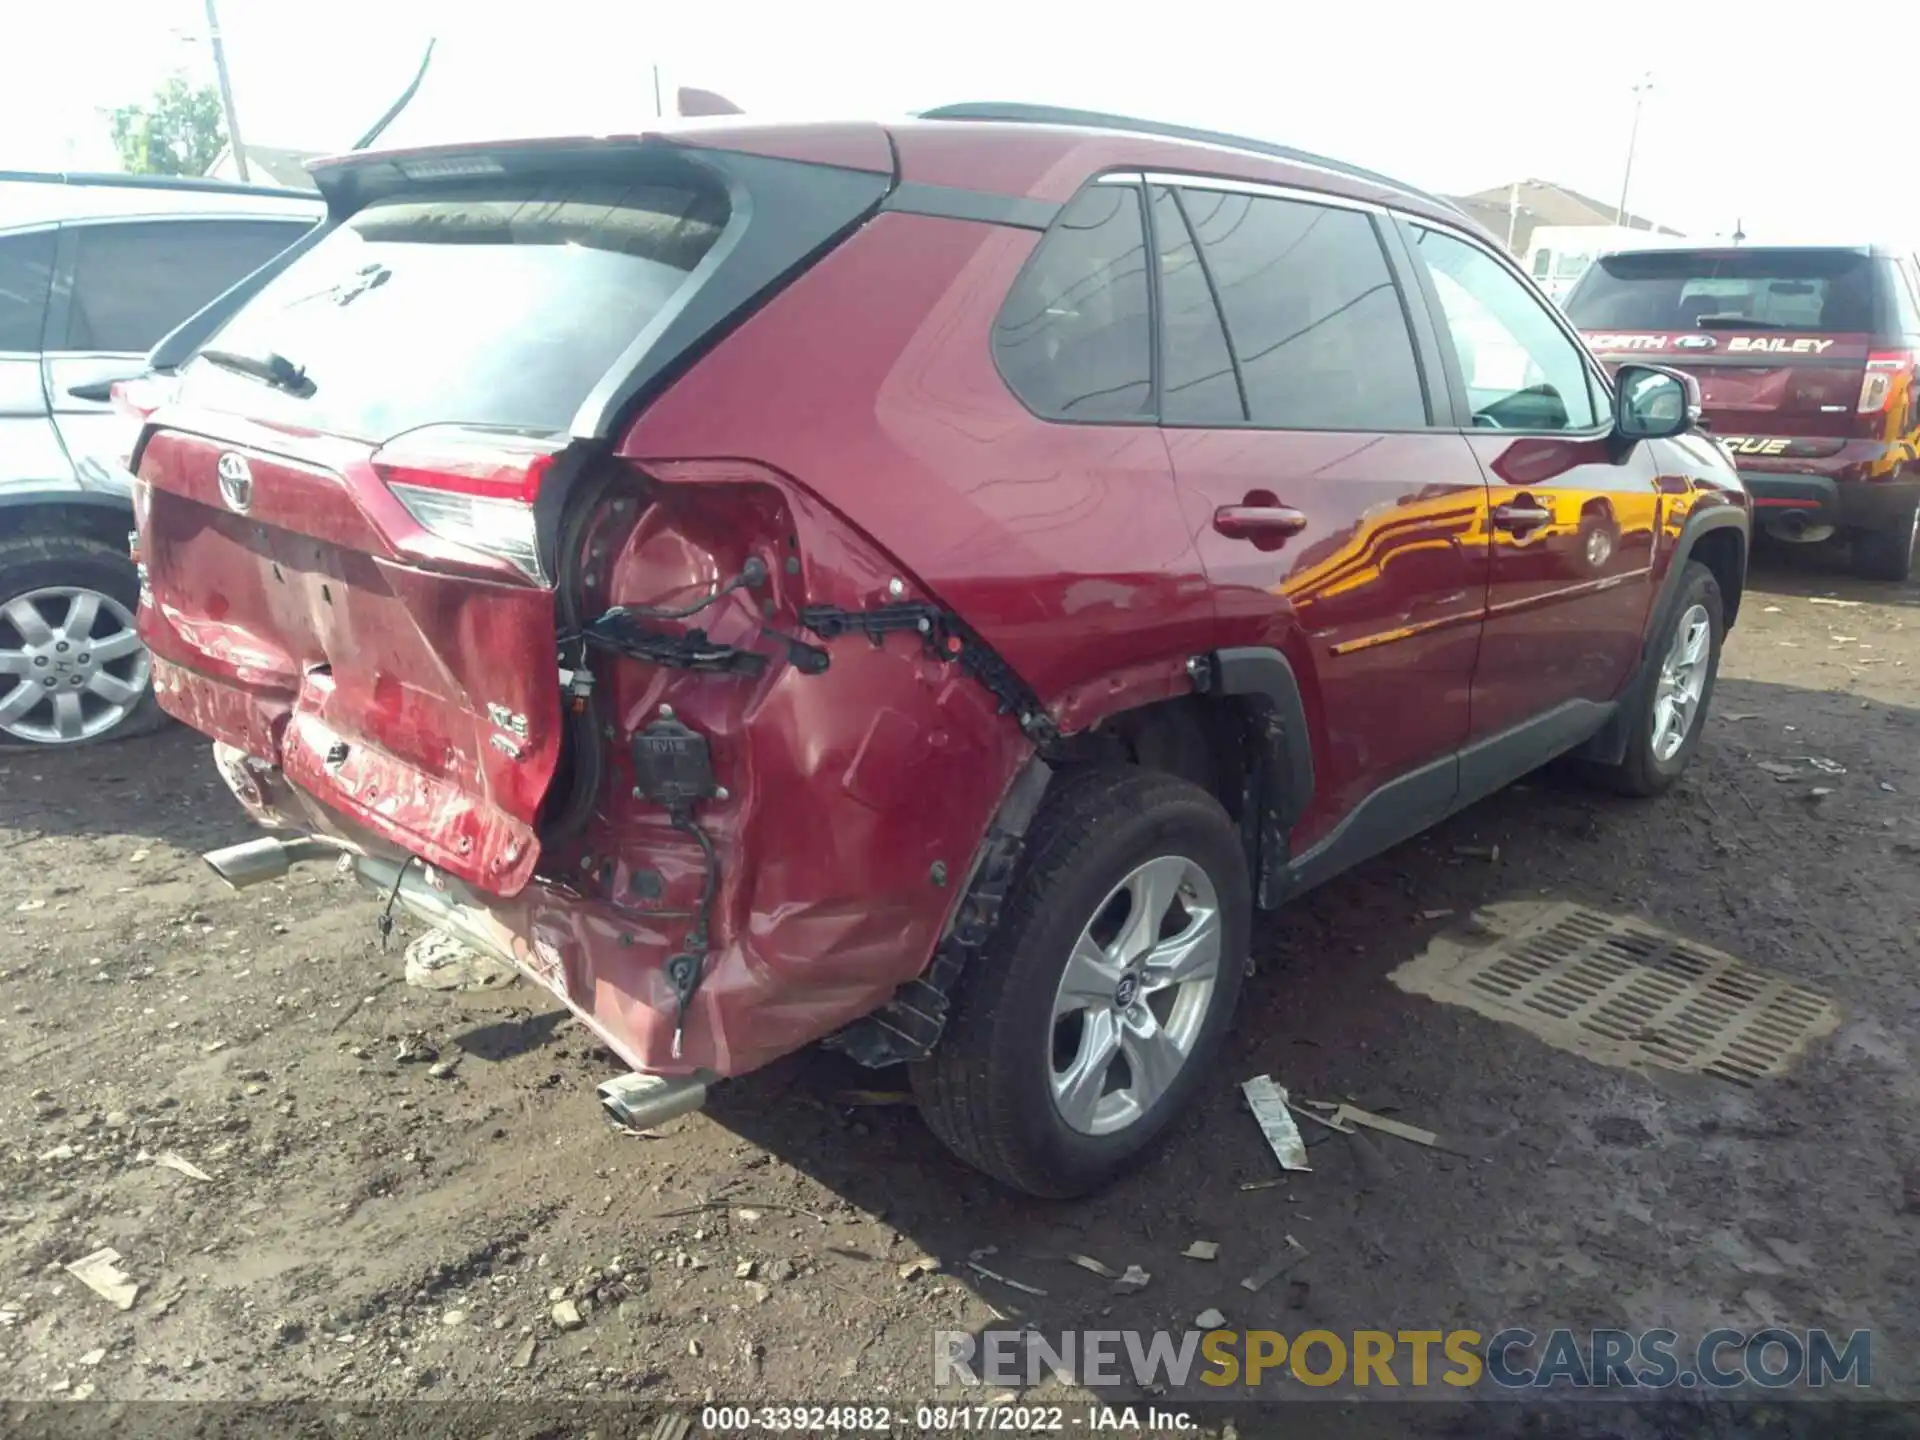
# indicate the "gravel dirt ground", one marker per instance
pixel 373 1227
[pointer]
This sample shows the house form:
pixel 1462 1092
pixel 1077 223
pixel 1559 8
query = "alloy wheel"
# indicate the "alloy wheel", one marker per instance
pixel 1683 679
pixel 1134 995
pixel 71 665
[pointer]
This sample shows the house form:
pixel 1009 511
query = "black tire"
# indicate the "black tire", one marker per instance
pixel 1886 554
pixel 986 1090
pixel 1640 771
pixel 34 562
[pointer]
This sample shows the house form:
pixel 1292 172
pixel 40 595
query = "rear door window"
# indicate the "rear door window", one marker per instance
pixel 1312 313
pixel 1198 382
pixel 501 305
pixel 132 283
pixel 1073 339
pixel 26 273
pixel 1805 291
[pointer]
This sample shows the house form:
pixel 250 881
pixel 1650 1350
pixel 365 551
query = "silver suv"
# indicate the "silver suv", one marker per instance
pixel 94 270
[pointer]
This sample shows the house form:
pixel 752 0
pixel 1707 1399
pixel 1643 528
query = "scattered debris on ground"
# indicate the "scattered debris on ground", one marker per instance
pixel 439 961
pixel 1345 1116
pixel 1008 1281
pixel 100 1272
pixel 1133 1280
pixel 183 1166
pixel 1279 1265
pixel 1268 1102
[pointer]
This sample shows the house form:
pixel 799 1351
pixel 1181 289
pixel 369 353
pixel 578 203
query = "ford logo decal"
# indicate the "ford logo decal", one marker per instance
pixel 1695 342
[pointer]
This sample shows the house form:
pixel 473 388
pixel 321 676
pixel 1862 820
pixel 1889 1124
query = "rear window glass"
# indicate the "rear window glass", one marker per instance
pixel 1801 290
pixel 494 306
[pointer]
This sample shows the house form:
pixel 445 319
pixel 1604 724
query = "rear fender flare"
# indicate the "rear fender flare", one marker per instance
pixel 1266 677
pixel 1279 776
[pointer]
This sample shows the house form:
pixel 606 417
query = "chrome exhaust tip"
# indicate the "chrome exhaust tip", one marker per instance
pixel 265 859
pixel 642 1101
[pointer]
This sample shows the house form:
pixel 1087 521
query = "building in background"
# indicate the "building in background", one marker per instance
pixel 267 165
pixel 1514 211
pixel 1556 232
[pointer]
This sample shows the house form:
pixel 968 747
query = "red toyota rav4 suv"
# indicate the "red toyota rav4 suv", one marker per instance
pixel 916 587
pixel 1808 360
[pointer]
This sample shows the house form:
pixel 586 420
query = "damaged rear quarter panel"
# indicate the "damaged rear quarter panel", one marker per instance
pixel 867 393
pixel 855 798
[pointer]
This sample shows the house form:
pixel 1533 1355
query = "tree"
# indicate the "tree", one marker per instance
pixel 179 132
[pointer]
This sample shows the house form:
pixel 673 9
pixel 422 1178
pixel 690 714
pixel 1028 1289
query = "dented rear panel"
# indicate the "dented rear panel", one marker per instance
pixel 320 631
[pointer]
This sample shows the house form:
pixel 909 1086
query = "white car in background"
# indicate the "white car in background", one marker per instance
pixel 94 269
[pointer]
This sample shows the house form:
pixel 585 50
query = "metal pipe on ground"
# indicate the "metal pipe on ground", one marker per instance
pixel 268 858
pixel 642 1101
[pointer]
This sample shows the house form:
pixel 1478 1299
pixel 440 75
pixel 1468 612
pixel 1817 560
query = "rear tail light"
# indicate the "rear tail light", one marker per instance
pixel 1885 370
pixel 475 488
pixel 137 399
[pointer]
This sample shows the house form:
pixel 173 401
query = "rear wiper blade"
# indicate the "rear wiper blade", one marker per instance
pixel 1739 322
pixel 276 370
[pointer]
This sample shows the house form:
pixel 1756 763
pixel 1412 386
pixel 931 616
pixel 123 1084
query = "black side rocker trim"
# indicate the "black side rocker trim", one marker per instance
pixel 1404 807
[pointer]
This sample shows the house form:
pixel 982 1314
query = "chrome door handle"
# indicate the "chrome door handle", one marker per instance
pixel 1249 522
pixel 1520 517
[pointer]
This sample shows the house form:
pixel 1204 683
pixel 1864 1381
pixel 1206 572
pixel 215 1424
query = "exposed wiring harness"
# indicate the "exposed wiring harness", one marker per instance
pixel 752 574
pixel 621 630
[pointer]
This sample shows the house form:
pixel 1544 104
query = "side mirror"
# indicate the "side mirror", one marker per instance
pixel 1650 403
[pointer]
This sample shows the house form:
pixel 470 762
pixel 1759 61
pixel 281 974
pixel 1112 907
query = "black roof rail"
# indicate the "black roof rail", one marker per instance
pixel 1097 120
pixel 157 182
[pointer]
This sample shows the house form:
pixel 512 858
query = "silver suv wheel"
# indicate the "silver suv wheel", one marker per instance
pixel 1683 679
pixel 71 665
pixel 1134 995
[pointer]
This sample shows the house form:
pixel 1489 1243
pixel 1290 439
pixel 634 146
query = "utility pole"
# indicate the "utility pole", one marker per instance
pixel 658 109
pixel 1633 138
pixel 1513 212
pixel 226 92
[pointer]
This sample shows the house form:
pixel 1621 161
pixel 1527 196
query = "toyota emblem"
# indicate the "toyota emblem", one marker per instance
pixel 236 481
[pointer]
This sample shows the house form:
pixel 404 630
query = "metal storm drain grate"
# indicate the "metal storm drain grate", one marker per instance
pixel 1622 992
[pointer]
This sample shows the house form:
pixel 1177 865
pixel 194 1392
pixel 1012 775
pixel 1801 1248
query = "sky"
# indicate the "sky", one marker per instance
pixel 1455 95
